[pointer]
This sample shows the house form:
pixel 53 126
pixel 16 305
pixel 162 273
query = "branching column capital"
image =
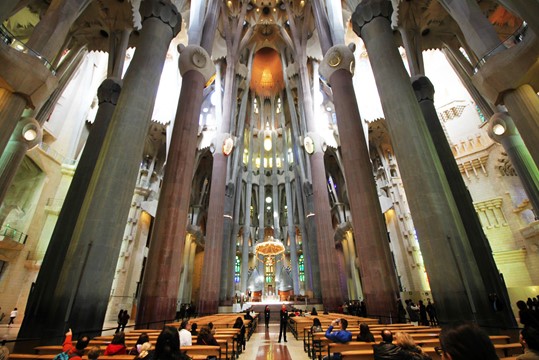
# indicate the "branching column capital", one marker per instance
pixel 367 11
pixel 165 11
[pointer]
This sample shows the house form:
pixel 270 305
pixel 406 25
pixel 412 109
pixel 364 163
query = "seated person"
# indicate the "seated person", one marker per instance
pixel 186 339
pixel 340 336
pixel 143 338
pixel 117 345
pixel 205 337
pixel 409 349
pixel 386 350
pixel 463 341
pixel 365 334
pixel 529 338
pixel 75 352
pixel 94 353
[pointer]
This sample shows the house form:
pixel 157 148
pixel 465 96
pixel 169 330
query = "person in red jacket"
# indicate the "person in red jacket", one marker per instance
pixel 117 345
pixel 75 352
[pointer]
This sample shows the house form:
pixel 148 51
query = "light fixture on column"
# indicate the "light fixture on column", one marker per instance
pixel 267 140
pixel 30 133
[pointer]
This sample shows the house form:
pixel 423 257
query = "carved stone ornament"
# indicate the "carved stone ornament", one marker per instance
pixel 337 57
pixel 308 144
pixel 423 88
pixel 109 91
pixel 195 58
pixel 368 10
pixel 228 145
pixel 163 10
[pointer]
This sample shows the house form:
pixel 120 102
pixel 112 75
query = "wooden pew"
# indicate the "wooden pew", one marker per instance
pixel 205 350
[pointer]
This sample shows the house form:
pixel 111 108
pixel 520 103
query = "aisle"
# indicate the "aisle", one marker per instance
pixel 264 345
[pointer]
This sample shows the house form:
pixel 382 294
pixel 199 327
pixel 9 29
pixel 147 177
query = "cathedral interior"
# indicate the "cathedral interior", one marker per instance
pixel 156 153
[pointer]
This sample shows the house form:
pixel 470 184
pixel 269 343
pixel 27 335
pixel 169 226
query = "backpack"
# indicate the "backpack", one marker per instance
pixel 61 356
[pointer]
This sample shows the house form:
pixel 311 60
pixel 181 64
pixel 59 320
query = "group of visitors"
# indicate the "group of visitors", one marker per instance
pixel 417 314
pixel 186 311
pixel 459 341
pixel 355 308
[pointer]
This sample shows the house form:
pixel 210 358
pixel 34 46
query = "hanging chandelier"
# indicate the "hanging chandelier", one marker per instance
pixel 269 247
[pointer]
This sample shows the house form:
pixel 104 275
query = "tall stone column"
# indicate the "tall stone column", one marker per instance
pixel 502 130
pixel 368 223
pixel 523 106
pixel 290 211
pixel 424 91
pixel 41 299
pixel 454 278
pixel 161 280
pixel 463 73
pixel 7 8
pixel 79 301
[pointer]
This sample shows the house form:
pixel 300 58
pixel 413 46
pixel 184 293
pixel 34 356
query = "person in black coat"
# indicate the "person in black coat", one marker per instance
pixel 283 316
pixel 267 314
pixel 386 350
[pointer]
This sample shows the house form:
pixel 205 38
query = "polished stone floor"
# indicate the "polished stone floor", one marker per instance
pixel 264 345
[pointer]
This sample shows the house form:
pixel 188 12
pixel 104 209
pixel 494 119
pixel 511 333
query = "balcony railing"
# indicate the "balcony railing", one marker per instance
pixel 56 155
pixel 512 40
pixel 14 234
pixel 9 39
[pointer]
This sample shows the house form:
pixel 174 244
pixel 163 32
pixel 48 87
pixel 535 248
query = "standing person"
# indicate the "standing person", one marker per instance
pixel 413 312
pixel 120 316
pixel 423 314
pixel 401 312
pixel 363 308
pixel 283 322
pixel 124 320
pixel 12 317
pixel 267 314
pixel 431 310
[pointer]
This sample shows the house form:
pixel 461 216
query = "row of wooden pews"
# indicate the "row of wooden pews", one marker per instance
pixel 229 348
pixel 317 346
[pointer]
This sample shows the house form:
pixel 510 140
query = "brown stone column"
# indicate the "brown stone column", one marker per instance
pixel 368 223
pixel 80 300
pixel 454 278
pixel 424 91
pixel 523 106
pixel 162 276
